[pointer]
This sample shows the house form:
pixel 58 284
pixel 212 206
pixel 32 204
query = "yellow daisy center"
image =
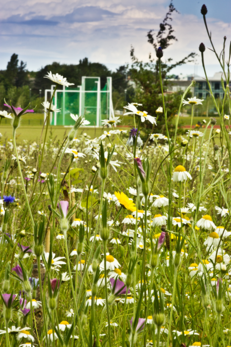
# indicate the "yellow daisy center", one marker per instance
pixel 149 317
pixel 180 168
pixel 214 235
pixel 193 265
pixel 196 344
pixel 82 261
pixel 77 219
pixel 118 271
pixel 207 217
pixel 163 290
pixel 25 332
pixel 219 259
pixel 110 258
pixel 64 322
pixel 50 332
pixel 157 215
pixel 192 102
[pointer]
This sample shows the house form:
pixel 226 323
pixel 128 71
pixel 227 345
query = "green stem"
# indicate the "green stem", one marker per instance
pixel 22 181
pixel 173 299
pixel 107 305
pixel 7 335
pixel 41 296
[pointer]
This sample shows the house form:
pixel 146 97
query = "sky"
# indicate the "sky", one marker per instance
pixel 65 31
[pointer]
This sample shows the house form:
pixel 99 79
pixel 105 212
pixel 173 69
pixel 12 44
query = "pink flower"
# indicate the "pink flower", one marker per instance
pixel 64 206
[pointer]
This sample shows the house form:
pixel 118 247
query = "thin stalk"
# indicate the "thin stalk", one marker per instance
pixel 20 172
pixel 173 299
pixel 41 296
pixel 106 293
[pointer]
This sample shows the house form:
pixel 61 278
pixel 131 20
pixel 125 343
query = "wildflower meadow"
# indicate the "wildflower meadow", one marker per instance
pixel 118 240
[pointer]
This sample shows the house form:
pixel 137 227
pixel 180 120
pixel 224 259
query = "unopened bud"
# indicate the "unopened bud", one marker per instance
pixel 159 53
pixel 206 300
pixel 80 247
pixel 213 121
pixel 27 286
pixel 216 148
pixel 38 250
pixel 103 172
pixel 219 306
pixel 22 233
pixel 184 143
pixel 104 233
pixel 6 286
pixel 34 170
pixel 145 188
pixel 52 303
pixel 84 319
pixel 7 314
pixel 94 169
pixel 204 10
pixel 154 260
pixel 159 319
pixel 111 298
pixel 64 225
pixel 202 48
pixel 95 264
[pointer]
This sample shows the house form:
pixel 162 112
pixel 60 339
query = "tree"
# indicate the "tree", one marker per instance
pixel 146 75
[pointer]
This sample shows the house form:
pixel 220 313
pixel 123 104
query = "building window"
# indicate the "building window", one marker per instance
pixel 200 85
pixel 217 95
pixel 217 85
pixel 207 95
pixel 200 95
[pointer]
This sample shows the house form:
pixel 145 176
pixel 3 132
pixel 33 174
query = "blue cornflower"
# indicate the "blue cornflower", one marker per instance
pixel 8 199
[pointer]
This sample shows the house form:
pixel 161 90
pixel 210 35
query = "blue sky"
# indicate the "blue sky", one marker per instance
pixel 68 30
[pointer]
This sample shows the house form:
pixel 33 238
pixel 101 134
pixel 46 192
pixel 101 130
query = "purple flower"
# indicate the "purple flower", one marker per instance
pixel 118 287
pixel 161 240
pixel 55 283
pixel 64 206
pixel 27 179
pixel 133 132
pixel 18 110
pixel 25 311
pixel 140 325
pixel 8 299
pixel 18 271
pixel 22 302
pixel 140 167
pixel 219 281
pixel 34 282
pixel 25 249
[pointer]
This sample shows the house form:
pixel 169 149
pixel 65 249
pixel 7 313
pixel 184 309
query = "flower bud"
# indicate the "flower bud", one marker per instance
pixel 159 319
pixel 104 233
pixel 103 172
pixel 71 135
pixel 219 306
pixel 27 286
pixel 202 48
pixel 184 143
pixel 16 122
pixel 145 188
pixel 213 121
pixel 22 233
pixel 7 312
pixel 64 225
pixel 154 260
pixel 206 300
pixel 95 264
pixel 177 259
pixel 159 53
pixel 94 169
pixel 34 170
pixel 38 250
pixel 52 303
pixel 204 10
pixel 216 148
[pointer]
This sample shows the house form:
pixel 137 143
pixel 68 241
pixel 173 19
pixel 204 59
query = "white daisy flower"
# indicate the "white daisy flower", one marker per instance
pixel 57 78
pixel 117 273
pixel 112 324
pixel 130 300
pixel 98 301
pixel 222 211
pixel 180 174
pixel 97 237
pixel 50 335
pixel 212 240
pixel 145 116
pixel 26 335
pixel 101 281
pixel 64 325
pixel 115 241
pixel 160 109
pixel 111 122
pixel 140 213
pixel 56 262
pixel 159 220
pixel 129 220
pixel 35 304
pixel 65 277
pixel 77 222
pixel 193 101
pixel 60 237
pixel 111 263
pixel 70 313
pixel 5 114
pixel 149 320
pixel 194 133
pixel 160 201
pixel 75 153
pixel 220 230
pixel 206 223
pixel 83 122
pixel 50 107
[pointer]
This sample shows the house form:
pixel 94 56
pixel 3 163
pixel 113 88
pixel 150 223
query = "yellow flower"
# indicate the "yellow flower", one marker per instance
pixel 125 201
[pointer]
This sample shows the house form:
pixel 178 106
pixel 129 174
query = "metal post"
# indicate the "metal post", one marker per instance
pixel 80 100
pixel 111 112
pixel 64 105
pixel 98 104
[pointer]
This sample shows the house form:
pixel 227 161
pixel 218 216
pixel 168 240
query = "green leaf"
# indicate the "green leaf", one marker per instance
pixel 74 175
